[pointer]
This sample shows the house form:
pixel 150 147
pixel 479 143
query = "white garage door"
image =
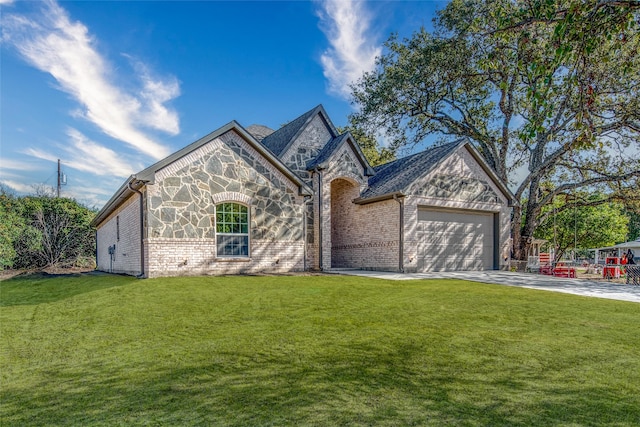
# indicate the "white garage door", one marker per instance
pixel 455 240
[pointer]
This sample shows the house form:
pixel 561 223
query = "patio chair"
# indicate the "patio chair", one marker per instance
pixel 546 266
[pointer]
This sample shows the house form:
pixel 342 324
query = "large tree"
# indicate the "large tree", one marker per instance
pixel 375 153
pixel 548 91
pixel 571 222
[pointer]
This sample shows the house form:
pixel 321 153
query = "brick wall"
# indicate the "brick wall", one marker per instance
pixel 355 236
pixel 183 257
pixel 363 236
pixel 126 259
pixel 341 166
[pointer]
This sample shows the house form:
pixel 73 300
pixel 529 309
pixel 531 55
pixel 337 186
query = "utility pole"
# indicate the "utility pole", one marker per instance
pixel 58 186
pixel 62 179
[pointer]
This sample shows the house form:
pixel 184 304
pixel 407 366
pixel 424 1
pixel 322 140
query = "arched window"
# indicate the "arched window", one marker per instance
pixel 232 230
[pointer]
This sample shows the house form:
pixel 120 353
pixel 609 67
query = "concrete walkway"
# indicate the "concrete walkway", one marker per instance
pixel 591 288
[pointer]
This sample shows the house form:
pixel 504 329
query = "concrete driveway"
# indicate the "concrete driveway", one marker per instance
pixel 590 288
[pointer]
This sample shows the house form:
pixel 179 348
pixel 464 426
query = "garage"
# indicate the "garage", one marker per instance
pixel 456 240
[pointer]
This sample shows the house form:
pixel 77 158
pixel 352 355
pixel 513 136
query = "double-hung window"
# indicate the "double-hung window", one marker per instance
pixel 232 230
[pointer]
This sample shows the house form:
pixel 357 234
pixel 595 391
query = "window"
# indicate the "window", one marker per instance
pixel 118 228
pixel 232 230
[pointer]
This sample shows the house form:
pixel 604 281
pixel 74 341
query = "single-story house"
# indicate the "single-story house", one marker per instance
pixel 618 250
pixel 304 197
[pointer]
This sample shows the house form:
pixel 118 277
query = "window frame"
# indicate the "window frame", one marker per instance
pixel 232 223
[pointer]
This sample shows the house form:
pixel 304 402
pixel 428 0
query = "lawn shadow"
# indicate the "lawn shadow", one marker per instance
pixel 234 390
pixel 39 288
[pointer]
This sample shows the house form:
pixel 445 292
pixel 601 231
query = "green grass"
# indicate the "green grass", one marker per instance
pixel 318 350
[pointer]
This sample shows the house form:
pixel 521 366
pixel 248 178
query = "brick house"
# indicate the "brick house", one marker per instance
pixel 304 198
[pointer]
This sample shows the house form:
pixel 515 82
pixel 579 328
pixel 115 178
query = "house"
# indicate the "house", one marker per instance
pixel 618 251
pixel 248 200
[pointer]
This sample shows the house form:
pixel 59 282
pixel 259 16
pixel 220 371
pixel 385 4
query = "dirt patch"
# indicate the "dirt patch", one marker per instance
pixel 53 271
pixel 597 277
pixel 8 274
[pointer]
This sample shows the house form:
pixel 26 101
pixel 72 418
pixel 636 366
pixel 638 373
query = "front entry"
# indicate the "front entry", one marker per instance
pixel 343 223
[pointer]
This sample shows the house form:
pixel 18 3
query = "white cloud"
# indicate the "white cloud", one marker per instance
pixel 156 92
pixel 87 156
pixel 347 25
pixel 16 165
pixel 66 50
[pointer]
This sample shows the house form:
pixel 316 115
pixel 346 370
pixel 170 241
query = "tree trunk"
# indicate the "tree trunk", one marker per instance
pixel 516 235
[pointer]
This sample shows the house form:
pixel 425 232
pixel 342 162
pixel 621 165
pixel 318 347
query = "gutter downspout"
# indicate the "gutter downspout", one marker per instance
pixel 319 170
pixel 95 239
pixel 305 219
pixel 141 275
pixel 401 234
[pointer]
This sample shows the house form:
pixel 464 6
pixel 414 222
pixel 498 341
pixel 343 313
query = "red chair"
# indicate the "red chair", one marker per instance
pixel 545 264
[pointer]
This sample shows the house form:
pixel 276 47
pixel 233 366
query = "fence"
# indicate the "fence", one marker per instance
pixel 633 274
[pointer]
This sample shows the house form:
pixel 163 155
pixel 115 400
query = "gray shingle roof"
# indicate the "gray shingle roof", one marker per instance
pixel 399 174
pixel 327 150
pixel 259 132
pixel 332 146
pixel 279 141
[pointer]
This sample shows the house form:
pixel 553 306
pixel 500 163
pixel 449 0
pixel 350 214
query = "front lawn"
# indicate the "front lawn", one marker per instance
pixel 312 350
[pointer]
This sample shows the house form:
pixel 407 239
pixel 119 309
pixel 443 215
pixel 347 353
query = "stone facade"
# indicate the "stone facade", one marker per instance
pixel 452 187
pixel 306 147
pixel 181 203
pixel 182 210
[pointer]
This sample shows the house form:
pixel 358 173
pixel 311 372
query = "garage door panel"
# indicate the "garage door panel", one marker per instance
pixel 454 240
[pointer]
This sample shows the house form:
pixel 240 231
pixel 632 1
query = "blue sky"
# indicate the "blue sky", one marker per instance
pixel 110 87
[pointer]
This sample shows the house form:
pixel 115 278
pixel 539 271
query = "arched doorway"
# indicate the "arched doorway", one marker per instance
pixel 343 224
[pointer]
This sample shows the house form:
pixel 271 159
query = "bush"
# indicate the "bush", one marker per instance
pixel 44 231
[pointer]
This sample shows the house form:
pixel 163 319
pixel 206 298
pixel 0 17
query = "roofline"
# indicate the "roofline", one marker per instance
pixel 347 137
pixel 147 176
pixel 318 109
pixel 368 170
pixel 120 196
pixel 513 201
pixel 387 196
pixel 303 188
pixel 620 246
pixel 459 143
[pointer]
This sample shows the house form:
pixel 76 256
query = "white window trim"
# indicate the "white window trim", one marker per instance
pixel 248 233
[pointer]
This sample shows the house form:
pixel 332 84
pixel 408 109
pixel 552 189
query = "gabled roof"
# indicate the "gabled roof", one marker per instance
pixel 279 141
pixel 334 145
pixel 147 175
pixel 395 177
